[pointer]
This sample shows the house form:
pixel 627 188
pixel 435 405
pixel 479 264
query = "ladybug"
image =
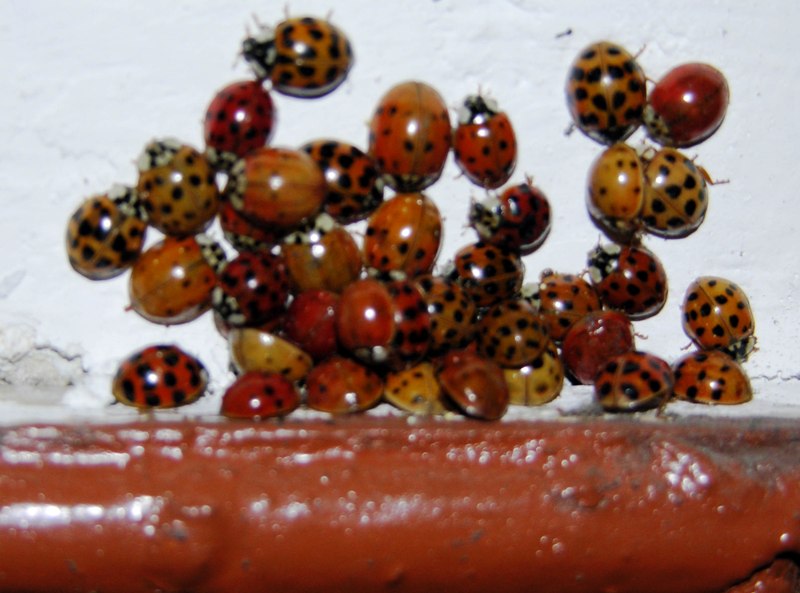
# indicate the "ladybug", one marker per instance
pixel 240 118
pixel 354 187
pixel 561 299
pixel 615 193
pixel 172 281
pixel 415 390
pixel 276 187
pixel 178 188
pixel 686 106
pixel 410 136
pixel 302 57
pixel 675 195
pixel 160 376
pixel 242 233
pixel 403 237
pixel 511 333
pixel 633 381
pixel 517 219
pixel 592 341
pixel 536 383
pixel 629 278
pixel 106 233
pixel 606 92
pixel 310 322
pixel 717 315
pixel 322 255
pixel 711 377
pixel 383 322
pixel 256 395
pixel 474 384
pixel 452 311
pixel 488 273
pixel 256 350
pixel 484 143
pixel 340 385
pixel 251 289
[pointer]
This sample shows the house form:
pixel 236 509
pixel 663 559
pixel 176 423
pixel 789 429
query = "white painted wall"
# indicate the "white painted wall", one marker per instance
pixel 88 83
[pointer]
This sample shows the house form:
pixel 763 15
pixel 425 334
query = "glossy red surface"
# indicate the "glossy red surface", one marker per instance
pixel 377 504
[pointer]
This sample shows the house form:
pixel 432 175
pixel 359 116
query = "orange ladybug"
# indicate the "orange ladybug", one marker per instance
pixel 173 280
pixel 410 136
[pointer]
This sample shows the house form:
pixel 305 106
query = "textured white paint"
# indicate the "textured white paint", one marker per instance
pixel 88 83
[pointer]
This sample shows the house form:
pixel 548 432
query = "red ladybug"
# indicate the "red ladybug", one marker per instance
pixel 687 106
pixel 252 289
pixel 475 384
pixel 484 143
pixel 592 341
pixel 517 219
pixel 240 118
pixel 310 322
pixel 630 279
pixel 410 136
pixel 257 395
pixel 403 236
pixel 161 376
pixel 384 323
pixel 561 300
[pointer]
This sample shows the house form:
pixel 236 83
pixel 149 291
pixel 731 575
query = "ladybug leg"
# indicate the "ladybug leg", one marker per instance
pixel 569 129
pixel 565 33
pixel 707 176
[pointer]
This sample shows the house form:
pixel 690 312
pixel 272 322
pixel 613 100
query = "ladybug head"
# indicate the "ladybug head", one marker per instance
pixel 259 51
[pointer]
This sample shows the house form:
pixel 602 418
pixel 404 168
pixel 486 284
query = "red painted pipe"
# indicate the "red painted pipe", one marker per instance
pixel 381 504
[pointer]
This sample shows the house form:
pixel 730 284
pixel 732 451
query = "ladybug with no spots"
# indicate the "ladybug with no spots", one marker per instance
pixel 172 281
pixel 687 105
pixel 161 376
pixel 606 92
pixel 410 136
pixel 106 233
pixel 302 56
pixel 633 381
pixel 276 187
pixel 474 384
pixel 484 143
pixel 717 315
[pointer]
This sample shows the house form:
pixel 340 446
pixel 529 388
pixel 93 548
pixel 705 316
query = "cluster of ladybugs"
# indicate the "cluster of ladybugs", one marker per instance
pixel 660 192
pixel 314 318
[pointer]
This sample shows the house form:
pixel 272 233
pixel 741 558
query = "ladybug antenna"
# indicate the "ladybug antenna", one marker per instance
pixel 286 10
pixel 640 52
